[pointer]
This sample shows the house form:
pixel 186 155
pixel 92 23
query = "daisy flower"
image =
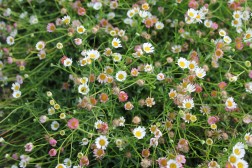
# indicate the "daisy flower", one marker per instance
pixel 68 162
pixel 50 27
pixel 213 164
pixel 139 132
pixel 150 102
pixel 162 162
pixel 10 40
pixel 192 65
pixel 80 29
pixel 16 94
pixel 248 36
pixel 230 104
pixel 84 141
pixel 121 121
pixel 83 89
pixel 42 54
pixel 172 94
pixel 93 54
pixel 148 68
pixel 238 150
pixel 131 13
pixel 182 63
pixel 222 32
pixel 208 23
pixel 241 164
pixel 190 88
pixel 40 45
pixel 117 57
pixel 15 86
pixel 159 25
pixel 121 76
pixel 188 104
pixel 66 20
pixel 54 125
pixel 102 78
pixel 60 166
pixel 160 76
pixel 176 49
pixel 200 73
pixel 99 153
pixel 148 48
pixel 237 15
pixel 233 159
pixel 116 43
pixel 205 109
pixel 98 124
pixel 67 62
pixel 73 123
pixel 101 142
pixel 172 164
pixel 227 39
pixel 192 13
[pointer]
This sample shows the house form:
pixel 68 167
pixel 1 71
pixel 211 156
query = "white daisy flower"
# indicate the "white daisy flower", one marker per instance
pixel 188 104
pixel 10 40
pixel 97 5
pixel 121 76
pixel 237 15
pixel 192 13
pixel 148 48
pixel 83 89
pixel 117 57
pixel 159 25
pixel 68 62
pixel 93 54
pixel 66 20
pixel 131 13
pixel 190 88
pixel 60 166
pixel 80 29
pixel 67 162
pixel 148 68
pixel 55 125
pixel 200 72
pixel 101 142
pixel 172 164
pixel 16 94
pixel 238 150
pixel 233 159
pixel 222 32
pixel 208 23
pixel 176 48
pixel 192 65
pixel 84 141
pixel 248 35
pixel 15 86
pixel 230 104
pixel 116 43
pixel 242 163
pixel 182 63
pixel 40 45
pixel 121 121
pixel 139 132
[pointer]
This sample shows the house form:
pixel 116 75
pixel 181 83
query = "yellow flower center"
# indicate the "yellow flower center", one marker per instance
pixel 102 142
pixel 138 134
pixel 188 105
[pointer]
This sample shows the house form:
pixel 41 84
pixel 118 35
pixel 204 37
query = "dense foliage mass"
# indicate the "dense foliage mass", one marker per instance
pixel 124 83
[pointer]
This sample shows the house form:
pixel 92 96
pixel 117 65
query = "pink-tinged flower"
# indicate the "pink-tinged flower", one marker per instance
pixel 181 159
pixel 183 145
pixel 137 48
pixel 198 88
pixel 50 27
pixel 15 156
pixel 28 147
pixel 250 74
pixel 84 161
pixel 19 79
pixel 103 128
pixel 214 25
pixel 73 123
pixel 10 60
pixel 52 152
pixel 212 120
pixel 81 11
pixel 123 96
pixel 6 50
pixel 239 45
pixel 193 4
pixel 78 41
pixel 162 162
pixel 222 85
pixel 63 59
pixel 52 142
pixel 43 119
